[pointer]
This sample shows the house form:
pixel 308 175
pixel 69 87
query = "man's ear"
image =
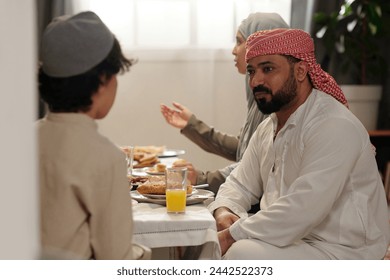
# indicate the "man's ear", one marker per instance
pixel 302 69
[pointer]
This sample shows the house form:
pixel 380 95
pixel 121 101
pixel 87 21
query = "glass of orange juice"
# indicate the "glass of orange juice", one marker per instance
pixel 176 189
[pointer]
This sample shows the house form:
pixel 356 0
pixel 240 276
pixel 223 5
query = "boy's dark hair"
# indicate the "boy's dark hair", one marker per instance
pixel 73 94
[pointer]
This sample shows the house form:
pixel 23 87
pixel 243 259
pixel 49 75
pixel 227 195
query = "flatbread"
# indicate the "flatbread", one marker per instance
pixel 156 185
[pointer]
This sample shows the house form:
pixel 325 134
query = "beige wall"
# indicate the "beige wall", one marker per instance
pixel 207 82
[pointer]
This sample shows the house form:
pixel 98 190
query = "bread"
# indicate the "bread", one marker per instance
pixel 136 180
pixel 156 185
pixel 152 188
pixel 160 167
pixel 179 161
pixel 149 149
pixel 146 160
pixel 137 156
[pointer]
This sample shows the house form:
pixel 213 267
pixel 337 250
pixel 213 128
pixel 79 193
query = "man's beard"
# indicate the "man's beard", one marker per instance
pixel 281 97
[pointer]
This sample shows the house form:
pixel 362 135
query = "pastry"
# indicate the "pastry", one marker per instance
pixel 156 185
pixel 160 167
pixel 179 161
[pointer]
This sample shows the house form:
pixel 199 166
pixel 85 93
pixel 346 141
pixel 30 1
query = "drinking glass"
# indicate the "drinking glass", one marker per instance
pixel 176 189
pixel 129 151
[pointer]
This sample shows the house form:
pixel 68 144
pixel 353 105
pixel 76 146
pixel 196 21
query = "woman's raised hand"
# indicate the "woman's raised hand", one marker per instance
pixel 177 117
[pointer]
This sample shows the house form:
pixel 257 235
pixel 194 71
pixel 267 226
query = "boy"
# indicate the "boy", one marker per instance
pixel 85 205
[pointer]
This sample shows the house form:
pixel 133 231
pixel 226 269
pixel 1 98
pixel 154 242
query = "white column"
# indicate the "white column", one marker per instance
pixel 19 214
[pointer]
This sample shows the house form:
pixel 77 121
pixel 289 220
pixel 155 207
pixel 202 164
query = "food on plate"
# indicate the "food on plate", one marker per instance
pixel 149 149
pixel 146 160
pixel 136 180
pixel 144 156
pixel 126 150
pixel 160 167
pixel 152 187
pixel 156 185
pixel 138 155
pixel 179 162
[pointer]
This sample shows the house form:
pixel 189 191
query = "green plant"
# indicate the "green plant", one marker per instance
pixel 356 33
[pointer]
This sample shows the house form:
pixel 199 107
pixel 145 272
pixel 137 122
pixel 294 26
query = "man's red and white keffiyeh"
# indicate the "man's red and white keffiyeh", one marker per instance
pixel 296 43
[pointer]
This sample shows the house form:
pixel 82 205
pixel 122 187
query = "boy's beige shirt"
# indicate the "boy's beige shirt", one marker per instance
pixel 85 204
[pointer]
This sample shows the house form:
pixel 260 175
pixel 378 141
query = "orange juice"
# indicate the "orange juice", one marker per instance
pixel 176 200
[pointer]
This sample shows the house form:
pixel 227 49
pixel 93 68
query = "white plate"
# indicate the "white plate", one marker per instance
pixel 162 196
pixel 139 172
pixel 152 171
pixel 199 197
pixel 171 153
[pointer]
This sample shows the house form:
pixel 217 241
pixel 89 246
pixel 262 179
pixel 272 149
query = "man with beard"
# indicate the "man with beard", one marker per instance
pixel 311 163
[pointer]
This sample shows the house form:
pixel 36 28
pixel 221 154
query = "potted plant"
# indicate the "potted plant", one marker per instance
pixel 353 38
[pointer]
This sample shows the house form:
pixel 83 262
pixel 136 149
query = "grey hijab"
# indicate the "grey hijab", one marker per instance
pixel 254 22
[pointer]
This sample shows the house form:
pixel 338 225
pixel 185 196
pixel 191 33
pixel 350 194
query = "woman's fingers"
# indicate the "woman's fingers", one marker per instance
pixel 178 106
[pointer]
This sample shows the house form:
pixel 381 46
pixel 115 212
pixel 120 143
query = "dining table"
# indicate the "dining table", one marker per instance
pixel 192 235
pixel 189 235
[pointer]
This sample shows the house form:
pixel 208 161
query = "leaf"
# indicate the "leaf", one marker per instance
pixel 320 33
pixel 373 28
pixel 351 25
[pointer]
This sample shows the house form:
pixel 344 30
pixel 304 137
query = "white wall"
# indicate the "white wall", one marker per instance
pixel 19 235
pixel 209 85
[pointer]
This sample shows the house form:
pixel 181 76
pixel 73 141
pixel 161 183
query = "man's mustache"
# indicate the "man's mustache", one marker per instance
pixel 261 89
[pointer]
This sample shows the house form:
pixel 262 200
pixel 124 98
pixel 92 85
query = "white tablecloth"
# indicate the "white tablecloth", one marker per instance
pixel 155 228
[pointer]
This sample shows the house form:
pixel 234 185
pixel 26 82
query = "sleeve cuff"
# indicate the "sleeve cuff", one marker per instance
pixel 236 209
pixel 190 124
pixel 236 232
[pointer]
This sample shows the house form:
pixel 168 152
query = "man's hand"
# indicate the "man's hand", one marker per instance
pixel 224 218
pixel 225 240
pixel 176 117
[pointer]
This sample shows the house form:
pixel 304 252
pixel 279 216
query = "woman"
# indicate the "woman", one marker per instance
pixel 219 143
